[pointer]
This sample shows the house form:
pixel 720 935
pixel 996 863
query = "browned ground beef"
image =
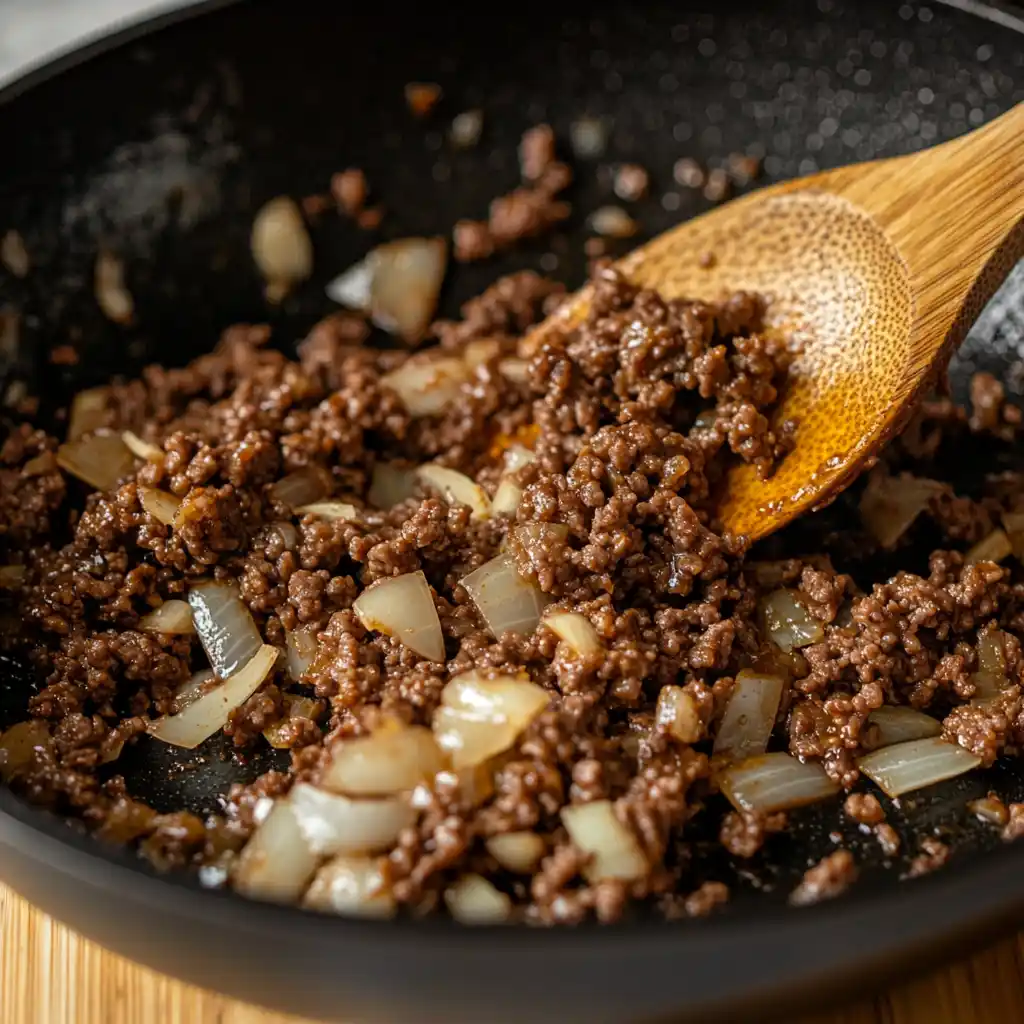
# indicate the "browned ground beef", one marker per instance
pixel 633 417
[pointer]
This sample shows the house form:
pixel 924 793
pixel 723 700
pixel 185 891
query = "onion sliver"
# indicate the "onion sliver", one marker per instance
pixel 473 900
pixel 890 505
pixel 749 716
pixel 19 744
pixel 170 617
pixel 301 650
pixel 188 693
pixel 678 715
pixel 390 485
pixel 576 630
pixel 481 717
pixel 904 767
pixel 775 782
pixel 303 487
pixel 403 607
pixel 788 622
pixel 226 629
pixel 330 510
pixel 456 488
pixel 161 505
pixel 517 851
pixel 427 385
pixel 392 759
pixel 516 456
pixel 506 601
pixel 353 886
pixel 88 412
pixel 141 449
pixel 278 735
pixel 407 278
pixel 893 724
pixel 281 246
pixel 990 680
pixel 205 716
pixel 277 862
pixel 993 548
pixel 597 832
pixel 101 460
pixel 111 293
pixel 333 824
pixel 506 498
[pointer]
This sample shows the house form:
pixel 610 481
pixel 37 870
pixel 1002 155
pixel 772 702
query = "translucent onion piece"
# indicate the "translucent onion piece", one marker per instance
pixel 749 716
pixel 304 486
pixel 19 744
pixel 226 629
pixel 775 782
pixel 161 505
pixel 506 498
pixel 516 456
pixel 170 617
pixel 677 713
pixel 277 735
pixel 613 850
pixel 288 534
pixel 473 900
pixel 457 488
pixel 993 548
pixel 481 717
pixel 109 288
pixel 479 351
pixel 141 449
pixel 403 607
pixel 427 385
pixel 893 724
pixel 576 630
pixel 334 824
pixel 209 713
pixel 88 412
pixel 301 650
pixel 353 886
pixel 904 767
pixel 281 246
pixel 1013 523
pixel 393 759
pixel 407 277
pixel 191 691
pixel 12 576
pixel 13 254
pixel 506 601
pixel 330 510
pixel 788 622
pixel 890 505
pixel 100 460
pixel 352 288
pixel 613 222
pixel 390 485
pixel 277 863
pixel 515 370
pixel 517 851
pixel 467 128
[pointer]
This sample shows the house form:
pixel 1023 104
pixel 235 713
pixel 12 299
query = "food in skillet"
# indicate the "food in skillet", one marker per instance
pixel 477 598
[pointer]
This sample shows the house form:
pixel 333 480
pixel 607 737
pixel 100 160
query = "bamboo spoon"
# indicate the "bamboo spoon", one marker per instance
pixel 877 270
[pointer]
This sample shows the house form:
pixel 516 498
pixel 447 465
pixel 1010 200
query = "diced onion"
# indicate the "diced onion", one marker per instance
pixel 613 222
pixel 210 713
pixel 390 485
pixel 506 498
pixel 775 782
pixel 896 724
pixel 170 617
pixel 890 505
pixel 993 548
pixel 333 824
pixel 111 293
pixel 13 254
pixel 295 707
pixel 188 693
pixel 392 759
pixel 161 505
pixel 519 852
pixel 353 886
pixel 352 288
pixel 788 622
pixel 749 716
pixel 226 629
pixel 100 460
pixel 301 650
pixel 481 717
pixel 19 744
pixel 479 351
pixel 277 862
pixel 677 714
pixel 427 385
pixel 506 601
pixel 330 510
pixel 515 370
pixel 1013 523
pixel 904 767
pixel 576 630
pixel 12 576
pixel 516 457
pixel 141 449
pixel 456 487
pixel 990 680
pixel 403 607
pixel 597 832
pixel 281 246
pixel 303 487
pixel 473 900
pixel 88 412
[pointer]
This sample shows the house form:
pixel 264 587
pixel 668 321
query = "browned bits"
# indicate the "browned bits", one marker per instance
pixel 742 169
pixel 864 808
pixel 350 189
pixel 934 854
pixel 422 97
pixel 827 879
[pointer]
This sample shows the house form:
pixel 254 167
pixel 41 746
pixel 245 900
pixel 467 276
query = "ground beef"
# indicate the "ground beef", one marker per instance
pixel 864 808
pixel 934 854
pixel 827 879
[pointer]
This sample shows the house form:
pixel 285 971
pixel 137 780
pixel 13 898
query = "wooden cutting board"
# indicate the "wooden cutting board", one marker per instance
pixel 50 975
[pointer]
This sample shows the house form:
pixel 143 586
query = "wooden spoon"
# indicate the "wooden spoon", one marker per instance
pixel 877 270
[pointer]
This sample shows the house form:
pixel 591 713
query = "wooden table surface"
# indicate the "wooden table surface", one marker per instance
pixel 50 975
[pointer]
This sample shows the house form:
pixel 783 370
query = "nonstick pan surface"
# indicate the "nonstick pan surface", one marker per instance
pixel 162 144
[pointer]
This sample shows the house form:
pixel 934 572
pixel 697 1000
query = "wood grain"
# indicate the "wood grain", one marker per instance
pixel 50 975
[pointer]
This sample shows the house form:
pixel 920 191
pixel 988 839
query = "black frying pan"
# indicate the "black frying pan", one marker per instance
pixel 163 144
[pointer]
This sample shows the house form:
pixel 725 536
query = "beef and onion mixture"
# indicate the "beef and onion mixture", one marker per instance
pixel 476 598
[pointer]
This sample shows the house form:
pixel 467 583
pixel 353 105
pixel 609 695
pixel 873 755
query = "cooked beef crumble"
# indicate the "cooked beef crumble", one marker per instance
pixel 630 419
